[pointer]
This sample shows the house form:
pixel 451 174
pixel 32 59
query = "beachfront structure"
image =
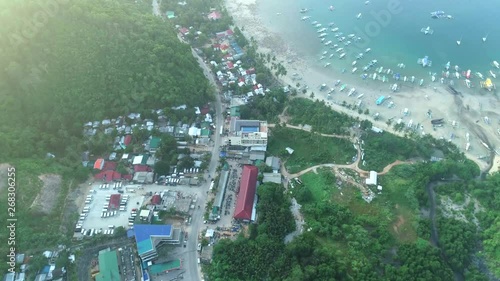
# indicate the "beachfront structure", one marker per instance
pixel 245 205
pixel 247 132
pixel 149 237
pixel 372 180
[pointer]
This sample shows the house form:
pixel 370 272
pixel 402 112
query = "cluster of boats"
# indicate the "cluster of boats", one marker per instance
pixel 341 41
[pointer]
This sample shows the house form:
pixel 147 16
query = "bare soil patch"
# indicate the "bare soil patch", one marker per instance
pixel 398 224
pixel 47 198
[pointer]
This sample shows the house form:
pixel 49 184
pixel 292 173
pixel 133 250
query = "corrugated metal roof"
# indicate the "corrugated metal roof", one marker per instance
pixel 244 203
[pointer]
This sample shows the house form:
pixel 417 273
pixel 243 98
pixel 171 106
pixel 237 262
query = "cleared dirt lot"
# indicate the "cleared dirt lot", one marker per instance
pixel 47 197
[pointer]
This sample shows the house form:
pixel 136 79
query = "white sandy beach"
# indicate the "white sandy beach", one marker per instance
pixel 418 99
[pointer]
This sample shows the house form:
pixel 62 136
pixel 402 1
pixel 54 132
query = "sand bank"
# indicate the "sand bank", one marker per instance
pixel 464 115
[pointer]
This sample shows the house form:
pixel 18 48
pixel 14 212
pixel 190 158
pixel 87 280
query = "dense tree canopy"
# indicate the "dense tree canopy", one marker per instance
pixel 90 60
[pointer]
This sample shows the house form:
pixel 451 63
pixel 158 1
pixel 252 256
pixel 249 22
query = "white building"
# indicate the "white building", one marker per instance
pixel 372 180
pixel 248 132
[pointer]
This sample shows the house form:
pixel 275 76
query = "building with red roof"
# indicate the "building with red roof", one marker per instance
pixel 109 166
pixel 114 201
pixel 156 199
pixel 108 176
pixel 230 65
pixel 184 31
pixel 127 140
pixel 142 168
pixel 99 164
pixel 214 15
pixel 224 48
pixel 246 197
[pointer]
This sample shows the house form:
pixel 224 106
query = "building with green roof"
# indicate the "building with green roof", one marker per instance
pixel 205 133
pixel 165 267
pixel 108 266
pixel 154 144
pixel 235 111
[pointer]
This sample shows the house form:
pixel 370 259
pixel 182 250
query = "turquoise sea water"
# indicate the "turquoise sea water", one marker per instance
pixel 396 39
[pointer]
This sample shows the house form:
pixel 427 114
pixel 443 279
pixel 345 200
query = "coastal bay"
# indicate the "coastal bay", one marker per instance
pixel 471 119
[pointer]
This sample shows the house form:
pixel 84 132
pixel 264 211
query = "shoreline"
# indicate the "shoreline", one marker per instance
pixel 465 118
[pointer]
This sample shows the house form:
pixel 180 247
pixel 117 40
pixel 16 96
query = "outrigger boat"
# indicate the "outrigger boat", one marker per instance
pixel 359 16
pixel 485 38
pixel 459 41
pixel 342 88
pixel 495 64
pixel 337 83
pixel 427 30
pixel 493 74
pixel 306 18
pixel 447 66
pixel 478 74
pixel 354 70
pixel 425 61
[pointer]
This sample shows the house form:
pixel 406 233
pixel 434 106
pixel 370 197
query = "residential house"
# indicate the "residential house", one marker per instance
pixel 214 15
pixel 154 144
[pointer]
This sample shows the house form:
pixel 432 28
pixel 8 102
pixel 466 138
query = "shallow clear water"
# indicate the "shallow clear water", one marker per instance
pixel 395 38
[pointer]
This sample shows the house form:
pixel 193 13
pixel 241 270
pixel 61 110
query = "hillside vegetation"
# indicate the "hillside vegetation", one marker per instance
pixel 89 61
pixel 67 64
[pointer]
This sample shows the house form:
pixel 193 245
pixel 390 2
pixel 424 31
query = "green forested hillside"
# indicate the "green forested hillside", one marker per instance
pixel 85 61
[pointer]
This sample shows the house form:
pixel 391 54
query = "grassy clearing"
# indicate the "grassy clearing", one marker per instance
pixel 321 184
pixel 309 149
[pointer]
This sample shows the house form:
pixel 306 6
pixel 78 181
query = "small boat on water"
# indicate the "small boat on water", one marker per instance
pixel 405 79
pixel 480 75
pixel 447 66
pixel 354 70
pixel 447 74
pixel 328 43
pixel 325 52
pixel 322 35
pixel 322 58
pixel 321 30
pixel 327 64
pixel 457 74
pixel 459 42
pixel 427 30
pixel 337 83
pixel 495 64
pixel 368 50
pixel 339 50
pixel 352 35
pixel 438 14
pixel 493 74
pixel 421 82
pixel 342 88
pixel 359 16
pixel 384 79
pixel 335 29
pixel 330 56
pixel 331 8
pixel 367 2
pixel 304 10
pixel 433 78
pixel 306 18
pixel 314 22
pixel 323 39
pixel 401 65
pixel 425 62
pixel 468 74
pixel 485 38
pixel 342 56
pixel 397 76
pixel 380 69
pixel 359 56
pixel 389 71
pixel 352 91
pixel 364 76
pixel 354 63
pixel 374 76
pixel 413 79
pixel 442 80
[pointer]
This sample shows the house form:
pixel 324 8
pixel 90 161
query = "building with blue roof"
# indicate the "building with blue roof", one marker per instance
pixel 149 237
